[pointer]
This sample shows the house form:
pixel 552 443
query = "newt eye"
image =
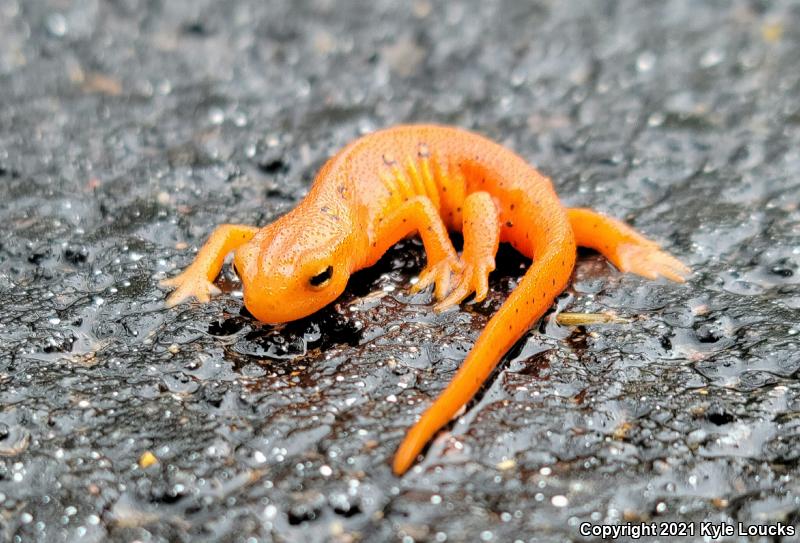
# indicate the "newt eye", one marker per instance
pixel 322 278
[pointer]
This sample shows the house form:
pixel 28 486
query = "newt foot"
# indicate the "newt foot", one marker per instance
pixel 473 278
pixel 651 262
pixel 188 285
pixel 440 274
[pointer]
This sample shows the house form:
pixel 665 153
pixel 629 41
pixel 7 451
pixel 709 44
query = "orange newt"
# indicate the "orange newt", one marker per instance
pixel 424 180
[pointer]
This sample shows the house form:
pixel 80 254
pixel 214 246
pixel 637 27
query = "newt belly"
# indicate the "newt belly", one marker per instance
pixel 425 180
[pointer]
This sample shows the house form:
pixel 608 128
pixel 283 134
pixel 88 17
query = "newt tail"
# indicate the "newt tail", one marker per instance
pixel 502 331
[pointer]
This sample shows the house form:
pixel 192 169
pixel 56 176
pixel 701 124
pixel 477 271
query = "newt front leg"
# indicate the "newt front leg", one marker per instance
pixel 197 279
pixel 418 214
pixel 481 231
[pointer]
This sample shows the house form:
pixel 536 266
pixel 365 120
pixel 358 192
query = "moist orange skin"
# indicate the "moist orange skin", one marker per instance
pixel 424 180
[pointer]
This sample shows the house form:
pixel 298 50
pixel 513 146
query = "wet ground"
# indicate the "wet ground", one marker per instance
pixel 130 128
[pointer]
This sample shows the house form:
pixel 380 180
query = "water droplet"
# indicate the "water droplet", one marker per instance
pixel 559 501
pixel 216 115
pixel 57 24
pixel 645 61
pixel 164 87
pixel 711 58
pixel 239 119
pixel 656 119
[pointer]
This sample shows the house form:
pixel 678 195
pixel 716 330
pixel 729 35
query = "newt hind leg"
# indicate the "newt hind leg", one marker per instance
pixel 628 250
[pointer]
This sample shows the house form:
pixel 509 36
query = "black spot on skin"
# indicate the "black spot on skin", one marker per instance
pixel 509 224
pixel 342 191
pixel 512 207
pixel 324 209
pixel 389 161
pixel 423 151
pixel 444 188
pixel 405 220
pixel 458 209
pixel 430 229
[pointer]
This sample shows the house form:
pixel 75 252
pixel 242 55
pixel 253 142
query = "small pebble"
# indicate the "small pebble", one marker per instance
pixel 147 459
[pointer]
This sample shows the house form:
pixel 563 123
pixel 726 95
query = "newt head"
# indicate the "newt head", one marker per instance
pixel 296 265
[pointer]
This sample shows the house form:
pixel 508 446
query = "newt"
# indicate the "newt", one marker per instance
pixel 426 180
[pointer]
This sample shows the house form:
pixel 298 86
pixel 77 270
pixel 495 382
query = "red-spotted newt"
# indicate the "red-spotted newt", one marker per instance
pixel 424 180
